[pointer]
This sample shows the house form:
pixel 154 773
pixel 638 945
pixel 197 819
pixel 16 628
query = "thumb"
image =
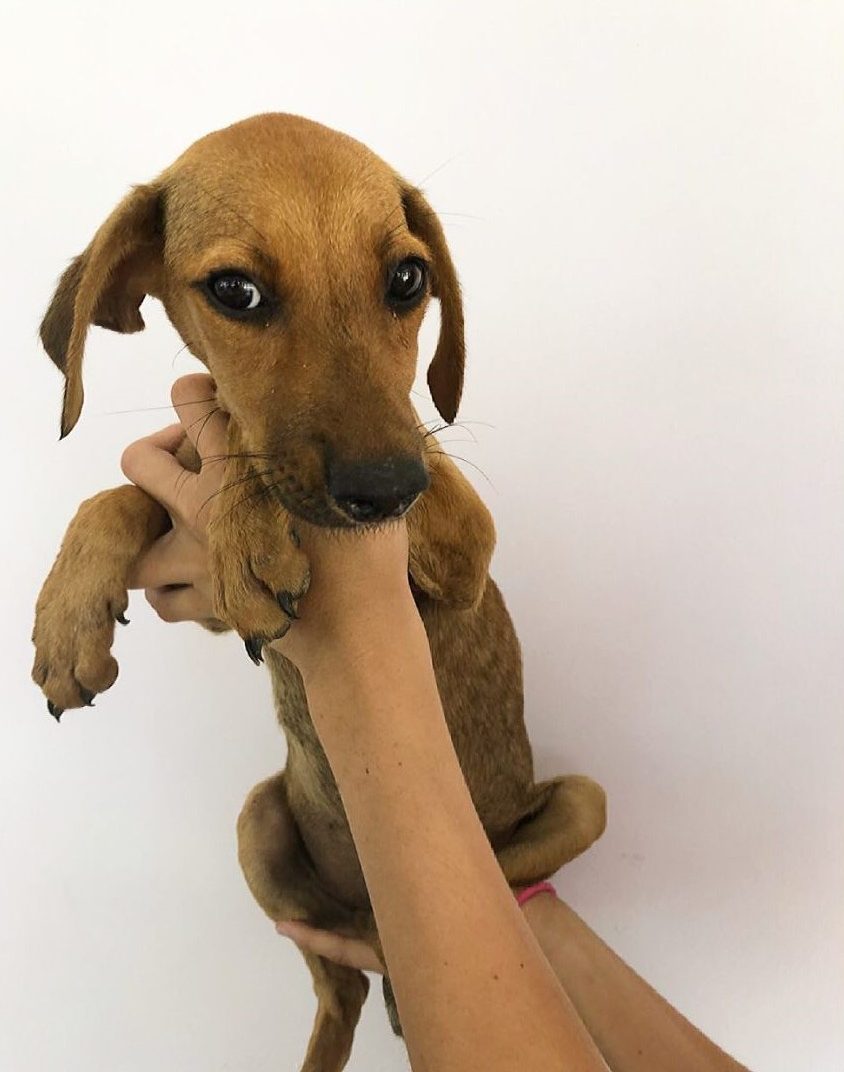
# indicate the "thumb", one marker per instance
pixel 203 419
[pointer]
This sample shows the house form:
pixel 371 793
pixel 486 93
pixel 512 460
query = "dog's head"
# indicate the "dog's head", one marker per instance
pixel 297 267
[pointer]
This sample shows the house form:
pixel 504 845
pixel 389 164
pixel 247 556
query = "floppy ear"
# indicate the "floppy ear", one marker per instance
pixel 105 285
pixel 445 375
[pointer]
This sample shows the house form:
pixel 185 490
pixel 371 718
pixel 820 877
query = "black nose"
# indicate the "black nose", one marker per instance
pixel 374 491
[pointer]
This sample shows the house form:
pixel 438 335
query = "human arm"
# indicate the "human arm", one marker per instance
pixel 635 1028
pixel 473 990
pixel 472 987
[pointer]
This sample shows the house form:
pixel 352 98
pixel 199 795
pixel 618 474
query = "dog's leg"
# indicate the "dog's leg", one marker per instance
pixel 570 815
pixel 86 592
pixel 340 993
pixel 259 574
pixel 451 536
pixel 282 880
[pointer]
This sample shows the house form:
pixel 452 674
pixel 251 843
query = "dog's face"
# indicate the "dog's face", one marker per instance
pixel 297 266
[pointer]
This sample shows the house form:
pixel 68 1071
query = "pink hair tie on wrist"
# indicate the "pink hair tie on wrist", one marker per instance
pixel 523 896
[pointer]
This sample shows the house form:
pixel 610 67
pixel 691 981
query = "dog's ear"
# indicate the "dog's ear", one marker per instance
pixel 105 285
pixel 445 375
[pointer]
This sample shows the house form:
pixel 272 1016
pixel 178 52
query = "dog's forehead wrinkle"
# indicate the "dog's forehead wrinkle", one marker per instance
pixel 329 235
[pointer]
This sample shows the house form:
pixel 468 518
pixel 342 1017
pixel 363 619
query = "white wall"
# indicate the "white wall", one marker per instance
pixel 645 202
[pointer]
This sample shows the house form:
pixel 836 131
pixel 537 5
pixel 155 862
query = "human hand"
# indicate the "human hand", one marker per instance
pixel 174 572
pixel 540 912
pixel 355 575
pixel 349 952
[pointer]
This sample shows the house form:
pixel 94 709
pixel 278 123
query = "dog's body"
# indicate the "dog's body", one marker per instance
pixel 316 380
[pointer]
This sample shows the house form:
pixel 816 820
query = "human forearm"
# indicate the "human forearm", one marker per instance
pixel 634 1027
pixel 480 995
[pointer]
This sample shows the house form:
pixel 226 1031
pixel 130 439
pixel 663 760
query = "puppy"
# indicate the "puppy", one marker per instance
pixel 297 266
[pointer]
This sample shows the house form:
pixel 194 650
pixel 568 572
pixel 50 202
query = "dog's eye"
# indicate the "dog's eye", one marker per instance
pixel 236 293
pixel 407 281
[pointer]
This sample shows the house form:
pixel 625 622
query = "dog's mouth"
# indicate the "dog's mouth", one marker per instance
pixel 322 513
pixel 312 507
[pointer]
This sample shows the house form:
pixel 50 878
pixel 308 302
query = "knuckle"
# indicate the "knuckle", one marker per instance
pixel 131 458
pixel 187 388
pixel 160 603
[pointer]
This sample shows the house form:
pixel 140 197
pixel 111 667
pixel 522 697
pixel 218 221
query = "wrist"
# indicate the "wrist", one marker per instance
pixel 365 645
pixel 551 920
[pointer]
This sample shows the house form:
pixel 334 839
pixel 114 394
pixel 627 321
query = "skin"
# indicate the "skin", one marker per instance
pixel 562 998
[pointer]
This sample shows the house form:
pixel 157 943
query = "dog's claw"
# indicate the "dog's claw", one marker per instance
pixel 56 712
pixel 253 647
pixel 121 617
pixel 288 605
pixel 87 696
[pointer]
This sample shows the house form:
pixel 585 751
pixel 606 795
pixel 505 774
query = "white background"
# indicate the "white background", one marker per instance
pixel 645 203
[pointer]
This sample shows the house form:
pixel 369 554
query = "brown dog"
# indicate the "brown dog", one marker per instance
pixel 297 266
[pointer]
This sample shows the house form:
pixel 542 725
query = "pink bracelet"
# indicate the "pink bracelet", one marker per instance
pixel 523 896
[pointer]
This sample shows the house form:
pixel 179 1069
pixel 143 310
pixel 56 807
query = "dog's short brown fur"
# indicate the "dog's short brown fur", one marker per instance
pixel 325 372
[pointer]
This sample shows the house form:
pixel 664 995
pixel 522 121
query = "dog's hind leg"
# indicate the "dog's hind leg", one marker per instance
pixel 282 880
pixel 568 815
pixel 340 993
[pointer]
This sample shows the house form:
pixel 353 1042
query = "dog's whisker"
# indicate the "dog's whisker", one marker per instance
pixel 436 430
pixel 437 170
pixel 238 454
pixel 450 442
pixel 240 502
pixel 205 421
pixel 233 484
pixel 450 428
pixel 260 495
pixel 153 409
pixel 457 458
pixel 464 425
pixel 177 354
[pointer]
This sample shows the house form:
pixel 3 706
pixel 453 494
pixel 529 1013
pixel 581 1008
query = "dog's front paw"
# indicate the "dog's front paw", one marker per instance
pixel 74 630
pixel 258 570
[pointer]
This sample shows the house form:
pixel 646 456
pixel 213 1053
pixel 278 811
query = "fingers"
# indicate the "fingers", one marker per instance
pixel 154 469
pixel 169 438
pixel 203 420
pixel 185 604
pixel 174 558
pixel 349 952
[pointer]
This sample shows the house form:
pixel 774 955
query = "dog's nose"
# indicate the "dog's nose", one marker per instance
pixel 374 491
